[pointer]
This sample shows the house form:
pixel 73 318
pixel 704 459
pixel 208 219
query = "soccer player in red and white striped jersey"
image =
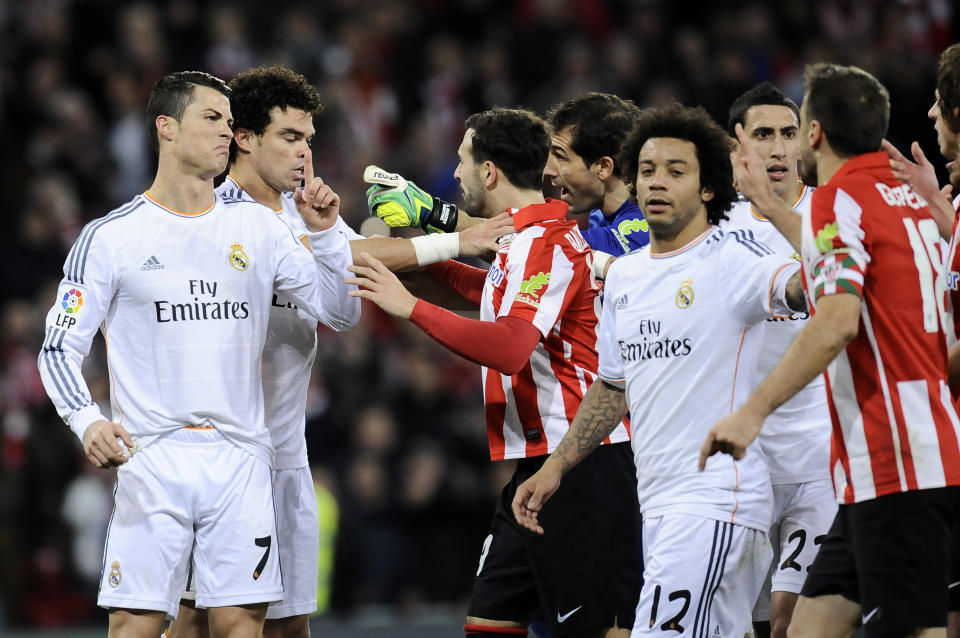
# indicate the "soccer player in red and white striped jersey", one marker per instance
pixel 871 257
pixel 536 340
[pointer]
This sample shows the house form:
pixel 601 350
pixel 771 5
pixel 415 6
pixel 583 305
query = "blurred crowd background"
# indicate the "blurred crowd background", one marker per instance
pixel 395 426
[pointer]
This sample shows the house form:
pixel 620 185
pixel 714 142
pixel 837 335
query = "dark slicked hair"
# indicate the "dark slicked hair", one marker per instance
pixel 258 90
pixel 711 143
pixel 517 141
pixel 948 86
pixel 172 94
pixel 599 125
pixel 763 94
pixel 853 108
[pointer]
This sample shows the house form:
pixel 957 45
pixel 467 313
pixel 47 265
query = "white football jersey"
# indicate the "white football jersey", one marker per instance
pixel 796 437
pixel 682 330
pixel 183 303
pixel 289 349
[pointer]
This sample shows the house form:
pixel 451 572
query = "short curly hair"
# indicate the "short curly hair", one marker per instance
pixel 711 142
pixel 256 91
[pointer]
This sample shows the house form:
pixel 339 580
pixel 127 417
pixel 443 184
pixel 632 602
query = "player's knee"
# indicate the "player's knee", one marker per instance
pixel 237 622
pixel 293 627
pixel 483 629
pixel 778 626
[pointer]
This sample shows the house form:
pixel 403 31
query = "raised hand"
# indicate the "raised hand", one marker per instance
pixel 920 175
pixel 376 283
pixel 400 203
pixel 101 445
pixel 317 203
pixel 480 240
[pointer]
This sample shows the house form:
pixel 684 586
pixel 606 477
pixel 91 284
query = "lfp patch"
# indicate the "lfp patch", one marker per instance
pixel 72 301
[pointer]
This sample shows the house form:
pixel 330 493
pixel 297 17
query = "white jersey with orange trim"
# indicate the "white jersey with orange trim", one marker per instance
pixel 183 302
pixel 289 349
pixel 684 339
pixel 796 437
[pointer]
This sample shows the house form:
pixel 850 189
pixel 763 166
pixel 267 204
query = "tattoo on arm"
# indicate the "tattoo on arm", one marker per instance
pixel 602 409
pixel 795 297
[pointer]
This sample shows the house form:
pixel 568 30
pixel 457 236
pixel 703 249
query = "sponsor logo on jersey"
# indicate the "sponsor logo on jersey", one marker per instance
pixel 632 225
pixel 825 237
pixel 652 346
pixel 685 294
pixel 952 277
pixel 152 264
pixel 495 275
pixel 115 577
pixel 530 289
pixel 72 301
pixel 238 259
pixel 200 310
pixel 503 244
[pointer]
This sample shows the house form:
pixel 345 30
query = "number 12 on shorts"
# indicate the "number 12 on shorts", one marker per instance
pixel 671 624
pixel 262 542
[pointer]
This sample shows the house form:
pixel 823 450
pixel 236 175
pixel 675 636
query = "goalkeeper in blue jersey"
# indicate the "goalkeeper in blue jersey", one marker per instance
pixel 587 134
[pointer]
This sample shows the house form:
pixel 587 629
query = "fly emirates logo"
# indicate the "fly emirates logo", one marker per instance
pixel 203 307
pixel 652 345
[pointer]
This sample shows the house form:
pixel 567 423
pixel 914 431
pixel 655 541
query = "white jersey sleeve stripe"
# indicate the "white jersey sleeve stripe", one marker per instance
pixel 60 356
pixel 76 270
pixel 56 372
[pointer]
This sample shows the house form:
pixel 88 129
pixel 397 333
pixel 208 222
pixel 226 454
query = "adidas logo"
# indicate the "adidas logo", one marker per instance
pixel 622 302
pixel 152 264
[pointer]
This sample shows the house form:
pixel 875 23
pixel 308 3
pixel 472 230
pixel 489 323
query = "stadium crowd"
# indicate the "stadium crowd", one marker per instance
pixel 394 421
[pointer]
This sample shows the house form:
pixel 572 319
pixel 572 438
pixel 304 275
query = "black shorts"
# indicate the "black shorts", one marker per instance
pixel 953 598
pixel 891 555
pixel 583 573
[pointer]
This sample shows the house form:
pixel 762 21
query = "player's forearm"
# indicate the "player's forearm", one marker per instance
pixel 396 253
pixel 467 281
pixel 825 336
pixel 60 373
pixel 794 293
pixel 504 345
pixel 942 210
pixel 601 411
pixel 323 292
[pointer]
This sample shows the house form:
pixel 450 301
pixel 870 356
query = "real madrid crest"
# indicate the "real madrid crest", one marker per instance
pixel 238 258
pixel 685 294
pixel 115 576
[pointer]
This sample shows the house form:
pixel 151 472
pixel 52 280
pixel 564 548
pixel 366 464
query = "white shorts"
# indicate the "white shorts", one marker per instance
pixel 802 515
pixel 298 535
pixel 191 489
pixel 701 576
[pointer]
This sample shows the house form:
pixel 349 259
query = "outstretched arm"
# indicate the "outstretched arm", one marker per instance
pixel 602 409
pixel 922 178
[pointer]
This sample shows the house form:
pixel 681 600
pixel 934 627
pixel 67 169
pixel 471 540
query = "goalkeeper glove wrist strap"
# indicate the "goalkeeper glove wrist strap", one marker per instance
pixel 442 218
pixel 431 249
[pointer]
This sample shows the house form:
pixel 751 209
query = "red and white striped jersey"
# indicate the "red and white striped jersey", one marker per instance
pixel 894 424
pixel 542 274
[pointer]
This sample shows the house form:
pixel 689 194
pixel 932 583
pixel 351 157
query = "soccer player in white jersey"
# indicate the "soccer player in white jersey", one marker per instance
pixel 679 341
pixel 273 109
pixel 181 283
pixel 795 438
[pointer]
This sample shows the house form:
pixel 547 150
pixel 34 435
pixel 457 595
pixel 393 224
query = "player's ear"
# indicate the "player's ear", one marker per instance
pixel 167 127
pixel 602 168
pixel 815 134
pixel 491 174
pixel 244 139
pixel 706 194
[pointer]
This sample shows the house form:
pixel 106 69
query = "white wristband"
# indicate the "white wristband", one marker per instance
pixel 600 261
pixel 437 247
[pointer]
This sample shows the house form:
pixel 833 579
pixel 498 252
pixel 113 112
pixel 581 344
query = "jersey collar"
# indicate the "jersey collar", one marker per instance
pixel 866 161
pixel 550 210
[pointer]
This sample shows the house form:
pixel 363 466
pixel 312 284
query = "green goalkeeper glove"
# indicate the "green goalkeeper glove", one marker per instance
pixel 401 203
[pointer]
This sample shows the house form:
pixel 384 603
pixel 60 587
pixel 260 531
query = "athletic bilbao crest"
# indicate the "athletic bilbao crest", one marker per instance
pixel 238 258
